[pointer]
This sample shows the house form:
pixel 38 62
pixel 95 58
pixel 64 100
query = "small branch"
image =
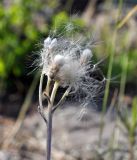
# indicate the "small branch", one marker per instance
pixel 40 107
pixel 40 91
pixel 54 91
pixel 41 112
pixel 47 90
pixel 47 97
pixel 62 99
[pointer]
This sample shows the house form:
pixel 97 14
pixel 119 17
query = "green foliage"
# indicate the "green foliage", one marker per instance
pixel 120 64
pixel 21 27
pixel 18 34
pixel 120 59
pixel 63 24
pixel 23 23
pixel 133 120
pixel 2 68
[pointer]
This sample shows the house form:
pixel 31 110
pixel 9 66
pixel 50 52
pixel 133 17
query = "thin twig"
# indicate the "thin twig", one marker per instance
pixel 47 90
pixel 127 17
pixel 47 97
pixel 49 124
pixel 41 112
pixel 62 99
pixel 40 91
pixel 40 107
pixel 49 132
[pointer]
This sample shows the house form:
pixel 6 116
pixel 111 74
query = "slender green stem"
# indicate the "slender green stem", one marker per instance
pixel 123 79
pixel 107 87
pixel 109 73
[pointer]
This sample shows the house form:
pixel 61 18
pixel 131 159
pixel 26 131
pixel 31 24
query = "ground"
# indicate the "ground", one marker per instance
pixel 75 136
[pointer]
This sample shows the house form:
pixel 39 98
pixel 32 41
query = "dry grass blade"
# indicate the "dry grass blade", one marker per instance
pixel 127 17
pixel 21 116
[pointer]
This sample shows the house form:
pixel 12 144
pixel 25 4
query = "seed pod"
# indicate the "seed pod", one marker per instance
pixel 59 60
pixel 86 56
pixel 53 71
pixel 57 63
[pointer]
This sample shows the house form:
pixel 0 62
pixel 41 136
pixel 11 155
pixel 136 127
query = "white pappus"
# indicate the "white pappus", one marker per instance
pixel 69 62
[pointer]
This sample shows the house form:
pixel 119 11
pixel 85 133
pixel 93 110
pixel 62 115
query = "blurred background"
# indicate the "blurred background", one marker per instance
pixel 24 24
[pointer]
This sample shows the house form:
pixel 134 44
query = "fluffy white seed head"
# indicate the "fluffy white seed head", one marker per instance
pixel 53 43
pixel 47 42
pixel 59 60
pixel 67 61
pixel 57 63
pixel 86 56
pixel 70 73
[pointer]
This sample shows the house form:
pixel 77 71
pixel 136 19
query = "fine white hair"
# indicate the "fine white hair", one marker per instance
pixel 69 62
pixel 59 60
pixel 47 42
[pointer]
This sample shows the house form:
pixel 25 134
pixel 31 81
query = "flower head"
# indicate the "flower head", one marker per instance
pixel 69 62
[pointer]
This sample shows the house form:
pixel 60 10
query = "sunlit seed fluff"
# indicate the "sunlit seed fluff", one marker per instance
pixel 53 43
pixel 70 73
pixel 47 42
pixel 65 61
pixel 59 60
pixel 57 63
pixel 86 56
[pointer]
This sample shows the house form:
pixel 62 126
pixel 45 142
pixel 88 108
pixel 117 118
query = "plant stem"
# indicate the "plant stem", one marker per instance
pixel 48 86
pixel 49 123
pixel 49 133
pixel 131 152
pixel 40 91
pixel 109 74
pixel 127 17
pixel 62 99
